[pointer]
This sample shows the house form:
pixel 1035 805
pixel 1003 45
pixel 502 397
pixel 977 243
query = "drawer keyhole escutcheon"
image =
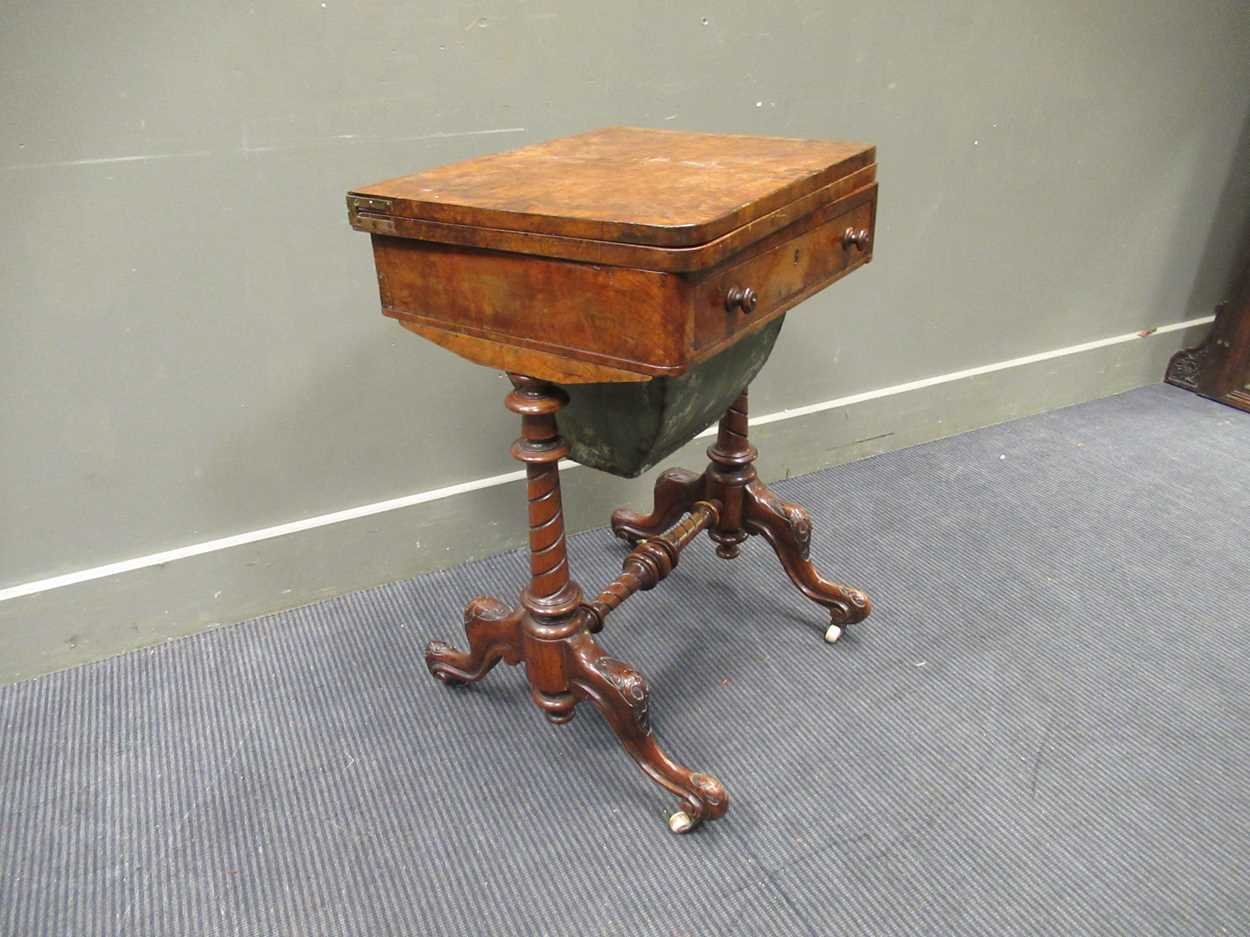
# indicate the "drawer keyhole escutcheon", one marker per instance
pixel 858 238
pixel 743 298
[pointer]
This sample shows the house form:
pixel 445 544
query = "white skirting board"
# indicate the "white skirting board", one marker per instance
pixel 99 611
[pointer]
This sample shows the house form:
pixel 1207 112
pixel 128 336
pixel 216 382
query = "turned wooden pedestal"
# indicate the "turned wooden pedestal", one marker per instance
pixel 552 632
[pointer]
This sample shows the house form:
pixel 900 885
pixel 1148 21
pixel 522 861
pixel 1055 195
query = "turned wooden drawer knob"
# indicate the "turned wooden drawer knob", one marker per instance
pixel 858 238
pixel 741 298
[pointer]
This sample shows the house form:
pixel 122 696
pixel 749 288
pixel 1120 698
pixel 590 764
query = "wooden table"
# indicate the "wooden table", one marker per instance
pixel 638 277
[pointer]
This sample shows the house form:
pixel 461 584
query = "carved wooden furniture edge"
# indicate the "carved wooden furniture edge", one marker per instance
pixel 480 192
pixel 563 365
pixel 510 354
pixel 368 214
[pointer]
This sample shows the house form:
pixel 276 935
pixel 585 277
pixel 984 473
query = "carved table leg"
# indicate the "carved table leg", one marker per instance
pixel 622 695
pixel 551 630
pixel 494 632
pixel 676 491
pixel 788 528
pixel 745 507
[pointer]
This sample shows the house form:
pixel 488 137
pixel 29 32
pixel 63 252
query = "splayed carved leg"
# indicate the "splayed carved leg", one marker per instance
pixel 745 507
pixel 788 528
pixel 676 491
pixel 551 631
pixel 494 633
pixel 621 693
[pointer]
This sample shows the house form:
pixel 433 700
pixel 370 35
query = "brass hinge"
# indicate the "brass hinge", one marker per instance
pixel 358 203
pixel 370 214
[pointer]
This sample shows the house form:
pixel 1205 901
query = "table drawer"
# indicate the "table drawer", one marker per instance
pixel 783 270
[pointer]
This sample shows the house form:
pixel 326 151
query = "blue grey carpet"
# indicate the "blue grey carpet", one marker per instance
pixel 1044 728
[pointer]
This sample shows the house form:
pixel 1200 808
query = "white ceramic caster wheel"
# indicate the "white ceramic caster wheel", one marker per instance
pixel 834 633
pixel 680 822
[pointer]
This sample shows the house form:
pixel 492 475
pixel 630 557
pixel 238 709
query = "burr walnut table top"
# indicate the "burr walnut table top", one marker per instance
pixel 659 187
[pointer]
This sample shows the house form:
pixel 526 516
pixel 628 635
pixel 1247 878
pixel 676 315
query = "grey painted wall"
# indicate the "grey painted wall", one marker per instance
pixel 190 341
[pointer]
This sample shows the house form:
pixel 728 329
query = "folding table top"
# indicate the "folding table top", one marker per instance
pixel 659 188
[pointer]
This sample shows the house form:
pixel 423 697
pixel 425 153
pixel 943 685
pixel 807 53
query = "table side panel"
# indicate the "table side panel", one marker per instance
pixel 634 320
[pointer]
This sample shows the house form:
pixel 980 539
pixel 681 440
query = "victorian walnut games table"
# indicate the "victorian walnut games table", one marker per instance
pixel 637 278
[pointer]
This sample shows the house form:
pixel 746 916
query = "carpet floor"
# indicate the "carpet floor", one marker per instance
pixel 1044 728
